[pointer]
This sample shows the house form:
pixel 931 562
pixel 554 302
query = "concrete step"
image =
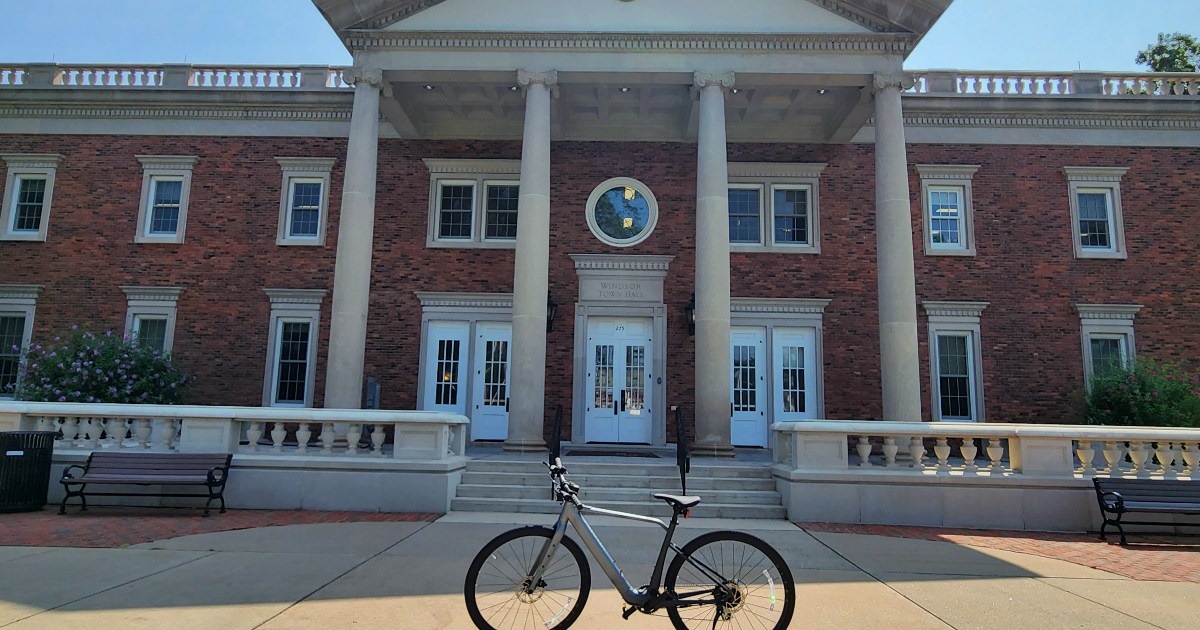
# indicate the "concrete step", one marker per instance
pixel 638 469
pixel 657 508
pixel 669 483
pixel 606 495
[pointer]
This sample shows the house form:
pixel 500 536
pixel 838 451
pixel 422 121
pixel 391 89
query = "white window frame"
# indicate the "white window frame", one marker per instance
pixel 785 313
pixel 958 319
pixel 163 168
pixel 477 173
pixel 152 303
pixel 292 306
pixel 300 170
pixel 20 300
pixel 945 177
pixel 769 177
pixel 1106 321
pixel 1096 179
pixel 22 167
pixel 629 183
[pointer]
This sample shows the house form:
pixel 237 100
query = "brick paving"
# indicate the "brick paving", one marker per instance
pixel 1147 557
pixel 113 527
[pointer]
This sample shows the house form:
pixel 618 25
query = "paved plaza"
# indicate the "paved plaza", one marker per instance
pixel 346 570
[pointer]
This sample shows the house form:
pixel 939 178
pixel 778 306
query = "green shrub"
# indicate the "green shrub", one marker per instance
pixel 1145 393
pixel 86 367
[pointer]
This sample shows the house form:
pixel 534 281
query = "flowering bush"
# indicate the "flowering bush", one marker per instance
pixel 86 367
pixel 1146 393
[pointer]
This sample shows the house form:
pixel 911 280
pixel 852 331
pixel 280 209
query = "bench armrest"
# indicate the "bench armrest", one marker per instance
pixel 1112 500
pixel 67 471
pixel 217 475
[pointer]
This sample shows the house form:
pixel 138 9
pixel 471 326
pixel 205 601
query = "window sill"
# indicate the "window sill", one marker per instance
pixel 471 244
pixel 774 249
pixel 1083 254
pixel 300 242
pixel 23 236
pixel 950 252
pixel 165 240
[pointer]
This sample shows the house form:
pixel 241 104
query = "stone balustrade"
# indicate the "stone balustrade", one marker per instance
pixel 316 433
pixel 993 83
pixel 172 76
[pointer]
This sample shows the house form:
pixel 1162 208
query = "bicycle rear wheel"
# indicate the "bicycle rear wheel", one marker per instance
pixel 496 583
pixel 744 583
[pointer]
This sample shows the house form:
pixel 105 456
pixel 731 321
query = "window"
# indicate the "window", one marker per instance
pixel 17 305
pixel 956 367
pixel 1095 200
pixel 304 200
pixel 773 207
pixel 473 203
pixel 28 190
pixel 166 185
pixel 150 316
pixel 949 223
pixel 1107 335
pixel 292 347
pixel 622 212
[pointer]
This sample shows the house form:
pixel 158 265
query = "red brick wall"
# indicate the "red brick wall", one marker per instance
pixel 1025 267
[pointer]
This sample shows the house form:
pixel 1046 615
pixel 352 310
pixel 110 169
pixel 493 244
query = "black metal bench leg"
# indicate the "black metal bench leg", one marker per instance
pixel 1103 526
pixel 222 497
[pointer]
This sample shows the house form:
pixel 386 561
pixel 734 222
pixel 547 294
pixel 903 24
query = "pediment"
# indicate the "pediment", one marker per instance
pixel 635 16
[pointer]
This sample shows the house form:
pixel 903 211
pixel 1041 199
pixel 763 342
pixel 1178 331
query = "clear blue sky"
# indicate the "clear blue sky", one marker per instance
pixel 973 34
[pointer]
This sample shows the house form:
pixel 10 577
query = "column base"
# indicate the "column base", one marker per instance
pixel 713 449
pixel 524 446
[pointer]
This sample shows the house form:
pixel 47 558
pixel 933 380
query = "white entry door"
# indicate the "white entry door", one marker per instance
pixel 617 407
pixel 795 373
pixel 748 357
pixel 489 390
pixel 445 366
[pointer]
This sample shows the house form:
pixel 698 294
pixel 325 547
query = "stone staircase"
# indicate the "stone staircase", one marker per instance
pixel 728 489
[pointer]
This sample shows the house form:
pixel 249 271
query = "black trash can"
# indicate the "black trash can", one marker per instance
pixel 25 458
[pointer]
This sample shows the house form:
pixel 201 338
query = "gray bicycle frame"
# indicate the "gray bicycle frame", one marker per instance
pixel 574 515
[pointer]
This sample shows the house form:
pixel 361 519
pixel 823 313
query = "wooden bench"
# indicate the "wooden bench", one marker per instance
pixel 1162 496
pixel 110 468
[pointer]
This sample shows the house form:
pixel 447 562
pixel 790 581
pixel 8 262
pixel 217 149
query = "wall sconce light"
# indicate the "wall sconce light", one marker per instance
pixel 690 312
pixel 551 309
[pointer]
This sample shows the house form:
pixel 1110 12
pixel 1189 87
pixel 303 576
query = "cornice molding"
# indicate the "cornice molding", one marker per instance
pixel 306 164
pixel 621 262
pixel 1106 174
pixel 286 113
pixel 947 171
pixel 938 308
pixel 25 294
pixel 841 10
pixel 153 294
pixel 171 162
pixel 473 167
pixel 1051 121
pixel 404 11
pixel 31 160
pixel 1121 312
pixel 296 296
pixel 812 306
pixel 806 170
pixel 502 301
pixel 886 43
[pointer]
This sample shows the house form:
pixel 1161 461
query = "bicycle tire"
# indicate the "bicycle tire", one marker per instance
pixel 755 571
pixel 504 563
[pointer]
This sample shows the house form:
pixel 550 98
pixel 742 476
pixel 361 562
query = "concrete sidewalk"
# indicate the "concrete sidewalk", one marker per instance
pixel 410 575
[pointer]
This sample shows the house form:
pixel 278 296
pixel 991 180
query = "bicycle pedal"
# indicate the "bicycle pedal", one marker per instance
pixel 626 613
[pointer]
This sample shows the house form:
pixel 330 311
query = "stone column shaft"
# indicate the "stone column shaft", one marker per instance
pixel 713 410
pixel 900 367
pixel 531 270
pixel 352 271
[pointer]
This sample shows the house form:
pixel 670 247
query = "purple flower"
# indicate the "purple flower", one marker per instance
pixel 62 399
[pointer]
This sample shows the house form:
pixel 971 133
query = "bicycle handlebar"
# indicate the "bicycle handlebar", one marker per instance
pixel 563 490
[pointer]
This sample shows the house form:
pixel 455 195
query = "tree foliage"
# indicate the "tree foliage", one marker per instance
pixel 1176 52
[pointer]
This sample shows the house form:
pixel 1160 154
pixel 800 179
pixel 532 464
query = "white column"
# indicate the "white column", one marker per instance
pixel 713 411
pixel 530 273
pixel 900 367
pixel 352 271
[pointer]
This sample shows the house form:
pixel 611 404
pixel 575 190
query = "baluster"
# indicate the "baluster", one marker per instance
pixel 141 432
pixel 42 423
pixel 352 436
pixel 117 429
pixel 1191 455
pixel 889 451
pixel 378 436
pixel 1165 452
pixel 90 431
pixel 169 433
pixel 278 432
pixel 327 438
pixel 995 452
pixel 70 429
pixel 1139 453
pixel 1085 454
pixel 916 448
pixel 997 85
pixel 864 451
pixel 942 452
pixel 1112 456
pixel 253 435
pixel 303 435
pixel 968 450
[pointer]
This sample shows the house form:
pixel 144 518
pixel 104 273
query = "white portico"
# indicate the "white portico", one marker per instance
pixel 544 71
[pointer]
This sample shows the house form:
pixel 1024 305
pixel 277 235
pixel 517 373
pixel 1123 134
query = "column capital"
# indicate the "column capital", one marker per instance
pixel 901 81
pixel 369 76
pixel 705 79
pixel 548 78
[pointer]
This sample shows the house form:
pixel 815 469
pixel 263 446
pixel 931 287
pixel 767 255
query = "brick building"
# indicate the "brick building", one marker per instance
pixel 753 213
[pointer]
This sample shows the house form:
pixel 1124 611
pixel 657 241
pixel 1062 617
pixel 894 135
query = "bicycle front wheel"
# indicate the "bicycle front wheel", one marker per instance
pixel 499 592
pixel 730 579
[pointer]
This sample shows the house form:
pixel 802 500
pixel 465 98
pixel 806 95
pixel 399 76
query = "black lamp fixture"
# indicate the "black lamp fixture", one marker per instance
pixel 551 309
pixel 690 312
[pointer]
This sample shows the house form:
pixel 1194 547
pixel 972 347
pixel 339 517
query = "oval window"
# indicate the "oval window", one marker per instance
pixel 622 212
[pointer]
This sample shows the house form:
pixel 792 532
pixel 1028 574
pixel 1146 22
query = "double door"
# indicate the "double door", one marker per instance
pixel 771 383
pixel 618 398
pixel 467 369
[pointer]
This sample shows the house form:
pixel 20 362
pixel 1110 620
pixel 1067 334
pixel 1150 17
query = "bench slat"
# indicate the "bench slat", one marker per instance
pixel 176 479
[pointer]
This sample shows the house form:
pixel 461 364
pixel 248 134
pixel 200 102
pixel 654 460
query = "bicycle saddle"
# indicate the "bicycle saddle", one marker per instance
pixel 678 502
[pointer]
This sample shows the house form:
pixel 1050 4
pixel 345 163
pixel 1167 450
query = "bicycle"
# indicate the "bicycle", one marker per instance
pixel 523 579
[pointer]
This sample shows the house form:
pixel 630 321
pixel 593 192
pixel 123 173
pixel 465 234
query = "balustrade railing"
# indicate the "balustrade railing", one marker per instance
pixel 173 76
pixel 993 83
pixel 988 450
pixel 248 430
